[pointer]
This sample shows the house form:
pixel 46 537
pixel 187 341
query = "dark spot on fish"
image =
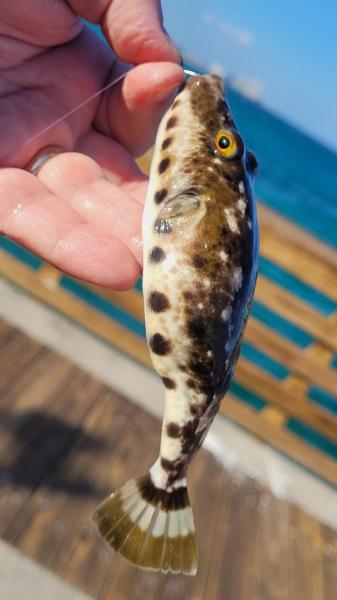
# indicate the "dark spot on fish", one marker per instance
pixel 169 383
pixel 171 122
pixel 197 410
pixel 158 302
pixel 173 430
pixel 160 196
pixel 221 107
pixel 196 328
pixel 168 465
pixel 166 143
pixel 157 255
pixel 188 430
pixel 163 165
pixel 211 124
pixel 189 439
pixel 188 295
pixel 198 261
pixel 203 138
pixel 199 368
pixel 159 345
pixel 167 501
pixel 190 383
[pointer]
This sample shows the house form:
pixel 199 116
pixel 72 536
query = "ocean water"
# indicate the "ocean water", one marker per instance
pixel 297 175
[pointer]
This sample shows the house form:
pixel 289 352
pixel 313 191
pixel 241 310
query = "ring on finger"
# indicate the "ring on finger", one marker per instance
pixel 39 160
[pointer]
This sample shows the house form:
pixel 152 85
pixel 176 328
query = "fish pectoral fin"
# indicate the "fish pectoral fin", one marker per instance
pixel 152 527
pixel 179 211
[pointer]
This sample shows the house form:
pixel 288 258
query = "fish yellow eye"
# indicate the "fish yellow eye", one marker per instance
pixel 226 144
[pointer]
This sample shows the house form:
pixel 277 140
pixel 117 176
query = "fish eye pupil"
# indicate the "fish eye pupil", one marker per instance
pixel 224 142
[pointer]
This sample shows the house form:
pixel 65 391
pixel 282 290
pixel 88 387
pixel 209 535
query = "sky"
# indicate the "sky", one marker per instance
pixel 284 52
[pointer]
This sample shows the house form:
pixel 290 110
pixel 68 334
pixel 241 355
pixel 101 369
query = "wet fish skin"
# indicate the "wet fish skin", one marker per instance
pixel 200 240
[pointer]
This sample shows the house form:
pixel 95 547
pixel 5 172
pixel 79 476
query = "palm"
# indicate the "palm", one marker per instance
pixel 83 211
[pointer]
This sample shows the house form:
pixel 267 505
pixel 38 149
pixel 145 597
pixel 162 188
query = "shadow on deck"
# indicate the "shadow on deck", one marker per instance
pixel 66 440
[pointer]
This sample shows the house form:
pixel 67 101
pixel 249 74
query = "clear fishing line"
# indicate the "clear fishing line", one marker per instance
pixel 187 72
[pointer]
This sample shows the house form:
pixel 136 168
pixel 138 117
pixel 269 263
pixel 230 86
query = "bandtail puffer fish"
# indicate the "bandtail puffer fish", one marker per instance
pixel 200 239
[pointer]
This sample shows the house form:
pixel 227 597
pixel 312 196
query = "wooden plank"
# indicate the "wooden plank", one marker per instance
pixel 17 354
pixel 269 388
pixel 238 545
pixel 329 562
pixel 298 385
pixel 49 276
pixel 25 455
pixel 266 574
pixel 70 505
pixel 305 557
pixel 221 515
pixel 239 523
pixel 45 373
pixel 319 353
pixel 129 460
pixel 300 263
pixel 274 224
pixel 77 310
pixel 130 301
pixel 280 439
pixel 290 355
pixel 276 416
pixel 76 559
pixel 205 473
pixel 297 311
pixel 144 162
pixel 6 330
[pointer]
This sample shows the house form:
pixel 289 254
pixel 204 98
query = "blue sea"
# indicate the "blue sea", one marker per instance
pixel 297 176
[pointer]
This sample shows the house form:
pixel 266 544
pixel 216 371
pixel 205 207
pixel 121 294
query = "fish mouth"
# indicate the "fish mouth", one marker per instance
pixel 198 81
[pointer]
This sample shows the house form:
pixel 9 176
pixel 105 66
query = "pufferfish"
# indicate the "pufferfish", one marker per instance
pixel 200 240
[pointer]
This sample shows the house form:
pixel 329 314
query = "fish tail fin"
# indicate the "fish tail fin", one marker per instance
pixel 152 527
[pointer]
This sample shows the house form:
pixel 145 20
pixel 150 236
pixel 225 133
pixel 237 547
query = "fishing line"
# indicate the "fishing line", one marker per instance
pixel 78 107
pixel 187 72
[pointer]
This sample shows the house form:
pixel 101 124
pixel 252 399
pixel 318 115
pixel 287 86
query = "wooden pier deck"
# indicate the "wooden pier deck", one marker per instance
pixel 67 440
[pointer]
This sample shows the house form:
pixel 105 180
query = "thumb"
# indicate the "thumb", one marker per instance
pixel 136 34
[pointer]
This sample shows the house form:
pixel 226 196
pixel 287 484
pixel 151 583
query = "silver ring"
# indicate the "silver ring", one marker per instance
pixel 39 160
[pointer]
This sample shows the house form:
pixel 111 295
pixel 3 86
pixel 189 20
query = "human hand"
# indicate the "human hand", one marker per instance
pixel 82 212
